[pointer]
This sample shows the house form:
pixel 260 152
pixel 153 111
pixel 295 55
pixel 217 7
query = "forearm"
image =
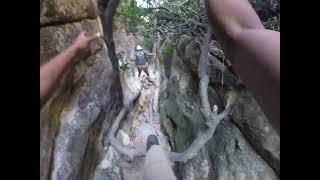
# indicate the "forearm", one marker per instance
pixel 229 17
pixel 51 72
pixel 262 77
pixel 253 51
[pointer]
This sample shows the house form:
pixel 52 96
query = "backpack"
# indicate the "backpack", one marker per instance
pixel 140 58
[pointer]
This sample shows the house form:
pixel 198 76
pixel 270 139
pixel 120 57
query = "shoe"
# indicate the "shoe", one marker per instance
pixel 152 140
pixel 150 80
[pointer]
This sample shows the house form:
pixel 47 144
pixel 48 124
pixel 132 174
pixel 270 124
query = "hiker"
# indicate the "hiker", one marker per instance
pixel 53 70
pixel 140 59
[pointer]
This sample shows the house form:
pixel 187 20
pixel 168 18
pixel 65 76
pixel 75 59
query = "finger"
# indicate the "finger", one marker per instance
pixel 96 35
pixel 84 33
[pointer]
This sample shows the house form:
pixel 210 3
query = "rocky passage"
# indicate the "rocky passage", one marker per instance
pixel 170 107
pixel 75 121
pixel 142 120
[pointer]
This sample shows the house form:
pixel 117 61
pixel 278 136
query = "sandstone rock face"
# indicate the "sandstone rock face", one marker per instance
pixel 87 100
pixel 256 128
pixel 110 167
pixel 54 39
pixel 244 145
pixel 234 158
pixel 65 11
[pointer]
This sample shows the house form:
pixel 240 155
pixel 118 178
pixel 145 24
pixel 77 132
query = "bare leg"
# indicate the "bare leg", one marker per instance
pixel 253 51
pixel 157 166
pixel 148 75
pixel 146 71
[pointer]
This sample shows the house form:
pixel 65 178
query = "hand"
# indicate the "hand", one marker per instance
pixel 83 40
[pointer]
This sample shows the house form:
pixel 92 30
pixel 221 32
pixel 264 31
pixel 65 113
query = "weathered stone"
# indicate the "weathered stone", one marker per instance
pixel 54 39
pixel 233 157
pixel 123 137
pixel 199 168
pixel 188 49
pixel 110 167
pixel 85 103
pixel 181 119
pixel 257 129
pixel 91 109
pixel 66 11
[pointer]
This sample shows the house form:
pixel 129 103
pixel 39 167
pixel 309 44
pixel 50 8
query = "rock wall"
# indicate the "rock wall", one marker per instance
pixel 244 145
pixel 87 100
pixel 111 166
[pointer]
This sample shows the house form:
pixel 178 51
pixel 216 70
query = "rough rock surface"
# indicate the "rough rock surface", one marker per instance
pixel 233 157
pixel 87 100
pixel 252 122
pixel 66 11
pixel 188 49
pixel 236 150
pixel 54 39
pixel 110 167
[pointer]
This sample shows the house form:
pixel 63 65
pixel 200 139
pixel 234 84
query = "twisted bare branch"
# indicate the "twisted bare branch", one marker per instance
pixel 211 116
pixel 107 10
pixel 128 151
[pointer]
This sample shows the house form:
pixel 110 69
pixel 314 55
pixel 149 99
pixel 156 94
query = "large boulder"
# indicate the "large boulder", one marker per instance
pixel 110 167
pixel 65 11
pixel 235 150
pixel 87 99
pixel 54 39
pixel 252 122
pixel 234 158
pixel 188 49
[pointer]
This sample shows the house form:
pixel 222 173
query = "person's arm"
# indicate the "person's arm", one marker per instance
pixel 150 54
pixel 132 58
pixel 253 51
pixel 51 72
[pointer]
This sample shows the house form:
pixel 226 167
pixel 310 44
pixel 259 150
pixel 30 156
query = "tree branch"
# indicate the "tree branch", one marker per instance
pixel 128 151
pixel 155 8
pixel 202 67
pixel 201 139
pixel 108 10
pixel 211 117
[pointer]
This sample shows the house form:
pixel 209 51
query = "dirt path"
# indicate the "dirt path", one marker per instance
pixel 143 120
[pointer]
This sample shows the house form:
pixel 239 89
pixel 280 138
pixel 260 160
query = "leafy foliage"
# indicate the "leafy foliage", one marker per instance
pixel 130 15
pixel 273 23
pixel 171 18
pixel 147 43
pixel 169 48
pixel 167 19
pixel 125 66
pixel 174 18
